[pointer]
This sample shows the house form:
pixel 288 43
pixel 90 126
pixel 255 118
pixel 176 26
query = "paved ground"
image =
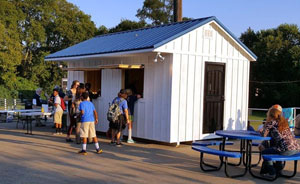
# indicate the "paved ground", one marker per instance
pixel 44 158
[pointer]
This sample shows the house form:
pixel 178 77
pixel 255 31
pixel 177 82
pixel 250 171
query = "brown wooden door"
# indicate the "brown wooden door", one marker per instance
pixel 213 97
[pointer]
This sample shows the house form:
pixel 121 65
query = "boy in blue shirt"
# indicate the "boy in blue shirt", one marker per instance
pixel 89 118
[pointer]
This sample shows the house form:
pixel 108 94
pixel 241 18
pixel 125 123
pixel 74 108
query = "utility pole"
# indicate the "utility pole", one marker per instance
pixel 177 10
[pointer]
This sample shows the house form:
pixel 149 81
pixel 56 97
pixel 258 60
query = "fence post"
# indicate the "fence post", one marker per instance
pixel 15 103
pixel 295 115
pixel 5 104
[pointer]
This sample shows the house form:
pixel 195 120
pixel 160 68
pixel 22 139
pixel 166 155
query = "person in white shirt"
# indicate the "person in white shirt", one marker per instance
pixel 58 112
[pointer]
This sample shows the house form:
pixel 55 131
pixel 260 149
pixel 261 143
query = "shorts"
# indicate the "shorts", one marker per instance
pixel 87 128
pixel 118 125
pixel 58 117
pixel 131 118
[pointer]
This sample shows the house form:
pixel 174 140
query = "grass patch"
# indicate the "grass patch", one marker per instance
pixel 258 117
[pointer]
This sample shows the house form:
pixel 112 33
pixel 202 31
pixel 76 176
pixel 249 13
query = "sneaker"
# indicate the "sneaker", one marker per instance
pixel 99 151
pixel 55 133
pixel 60 133
pixel 269 176
pixel 130 141
pixel 69 140
pixel 82 152
pixel 113 143
pixel 119 144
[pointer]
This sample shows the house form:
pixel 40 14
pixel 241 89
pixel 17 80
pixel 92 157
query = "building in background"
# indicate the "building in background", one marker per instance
pixel 193 77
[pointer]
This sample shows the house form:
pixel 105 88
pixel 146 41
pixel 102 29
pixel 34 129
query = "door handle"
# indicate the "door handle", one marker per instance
pixel 223 98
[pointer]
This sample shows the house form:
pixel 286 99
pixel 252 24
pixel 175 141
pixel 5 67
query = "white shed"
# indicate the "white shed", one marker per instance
pixel 193 76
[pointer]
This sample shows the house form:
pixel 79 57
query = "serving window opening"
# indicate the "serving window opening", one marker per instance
pixel 94 78
pixel 134 80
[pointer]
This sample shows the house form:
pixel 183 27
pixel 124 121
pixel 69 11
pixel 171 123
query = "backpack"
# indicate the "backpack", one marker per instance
pixel 62 104
pixel 114 111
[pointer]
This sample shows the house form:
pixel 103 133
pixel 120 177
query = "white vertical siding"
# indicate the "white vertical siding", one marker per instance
pixel 172 106
pixel 191 51
pixel 152 113
pixel 175 110
pixel 110 86
pixel 74 75
pixel 182 97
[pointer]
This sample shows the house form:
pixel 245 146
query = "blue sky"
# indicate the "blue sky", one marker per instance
pixel 237 15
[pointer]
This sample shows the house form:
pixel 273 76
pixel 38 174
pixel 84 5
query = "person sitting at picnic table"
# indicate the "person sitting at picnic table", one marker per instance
pixel 249 127
pixel 282 141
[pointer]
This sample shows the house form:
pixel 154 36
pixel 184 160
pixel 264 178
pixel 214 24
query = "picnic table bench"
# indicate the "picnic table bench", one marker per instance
pixel 211 143
pixel 211 151
pixel 284 158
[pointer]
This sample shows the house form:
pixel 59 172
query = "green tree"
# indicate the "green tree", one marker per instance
pixel 277 66
pixel 102 30
pixel 31 29
pixel 158 12
pixel 50 26
pixel 10 44
pixel 126 25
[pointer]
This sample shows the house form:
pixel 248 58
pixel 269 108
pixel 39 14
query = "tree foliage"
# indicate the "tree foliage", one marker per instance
pixel 10 43
pixel 278 52
pixel 157 11
pixel 31 29
pixel 124 25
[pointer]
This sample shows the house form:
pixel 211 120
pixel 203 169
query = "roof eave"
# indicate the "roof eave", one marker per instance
pixel 110 54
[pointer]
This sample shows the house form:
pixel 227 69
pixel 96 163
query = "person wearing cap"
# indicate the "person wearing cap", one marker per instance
pixel 117 127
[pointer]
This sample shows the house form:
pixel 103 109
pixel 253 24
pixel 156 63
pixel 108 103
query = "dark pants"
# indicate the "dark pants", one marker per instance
pixel 72 124
pixel 267 166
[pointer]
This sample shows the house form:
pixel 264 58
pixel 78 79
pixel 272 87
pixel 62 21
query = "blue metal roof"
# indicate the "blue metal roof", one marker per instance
pixel 146 38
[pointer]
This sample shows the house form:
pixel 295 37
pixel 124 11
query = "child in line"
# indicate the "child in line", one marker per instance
pixel 89 118
pixel 58 112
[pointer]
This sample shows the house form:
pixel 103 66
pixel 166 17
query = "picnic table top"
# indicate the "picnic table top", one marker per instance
pixel 36 114
pixel 241 134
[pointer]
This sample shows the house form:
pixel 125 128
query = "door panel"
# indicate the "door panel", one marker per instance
pixel 213 97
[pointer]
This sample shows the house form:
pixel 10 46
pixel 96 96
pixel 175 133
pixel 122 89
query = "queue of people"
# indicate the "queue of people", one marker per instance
pixel 83 115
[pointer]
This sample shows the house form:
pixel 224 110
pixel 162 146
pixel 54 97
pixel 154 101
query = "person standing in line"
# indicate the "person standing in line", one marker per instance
pixel 58 112
pixel 89 118
pixel 123 119
pixel 78 99
pixel 131 100
pixel 70 97
pixel 92 96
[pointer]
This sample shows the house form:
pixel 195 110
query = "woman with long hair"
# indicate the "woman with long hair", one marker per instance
pixel 70 97
pixel 282 142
